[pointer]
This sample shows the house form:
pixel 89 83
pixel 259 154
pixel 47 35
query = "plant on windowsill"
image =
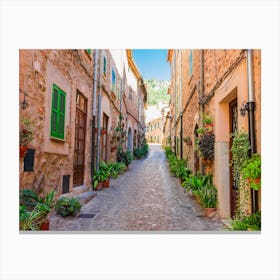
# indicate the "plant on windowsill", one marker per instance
pixel 26 135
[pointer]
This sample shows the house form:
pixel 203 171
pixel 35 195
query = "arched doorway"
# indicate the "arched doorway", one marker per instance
pixel 196 157
pixel 129 140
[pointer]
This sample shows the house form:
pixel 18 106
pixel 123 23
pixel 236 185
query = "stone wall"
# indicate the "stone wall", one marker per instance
pixel 71 70
pixel 225 78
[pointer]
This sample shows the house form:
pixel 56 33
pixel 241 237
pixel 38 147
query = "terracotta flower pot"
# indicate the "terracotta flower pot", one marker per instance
pixel 209 211
pixel 99 186
pixel 106 183
pixel 22 151
pixel 45 225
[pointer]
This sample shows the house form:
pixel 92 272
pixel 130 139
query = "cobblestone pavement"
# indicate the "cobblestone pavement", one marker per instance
pixel 145 198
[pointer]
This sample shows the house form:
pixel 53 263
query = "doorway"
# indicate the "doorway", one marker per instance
pixel 129 140
pixel 196 157
pixel 104 137
pixel 80 134
pixel 234 183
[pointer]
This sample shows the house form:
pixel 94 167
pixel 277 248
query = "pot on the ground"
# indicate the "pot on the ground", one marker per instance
pixel 45 225
pixel 106 183
pixel 209 211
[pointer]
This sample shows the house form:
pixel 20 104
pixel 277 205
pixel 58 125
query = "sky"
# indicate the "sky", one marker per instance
pixel 152 63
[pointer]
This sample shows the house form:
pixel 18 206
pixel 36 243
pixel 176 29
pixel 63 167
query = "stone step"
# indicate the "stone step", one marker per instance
pixel 80 189
pixel 85 197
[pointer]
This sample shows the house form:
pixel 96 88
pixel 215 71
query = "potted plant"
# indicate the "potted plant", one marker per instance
pixel 188 140
pixel 251 171
pixel 68 206
pixel 36 209
pixel 201 130
pixel 105 170
pixel 98 179
pixel 206 146
pixel 26 135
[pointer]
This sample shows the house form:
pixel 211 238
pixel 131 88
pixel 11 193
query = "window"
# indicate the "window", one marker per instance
pixel 58 112
pixel 191 62
pixel 113 81
pixel 104 65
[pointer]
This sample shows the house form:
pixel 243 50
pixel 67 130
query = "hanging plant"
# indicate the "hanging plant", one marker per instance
pixel 206 146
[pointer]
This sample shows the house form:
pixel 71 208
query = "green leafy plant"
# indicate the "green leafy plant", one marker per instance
pixel 251 171
pixel 141 151
pixel 207 119
pixel 201 130
pixel 251 222
pixel 35 208
pixel 30 220
pixel 125 157
pixel 67 206
pixel 239 149
pixel 99 177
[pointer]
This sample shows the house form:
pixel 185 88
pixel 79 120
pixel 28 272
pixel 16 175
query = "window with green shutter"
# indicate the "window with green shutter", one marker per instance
pixel 58 112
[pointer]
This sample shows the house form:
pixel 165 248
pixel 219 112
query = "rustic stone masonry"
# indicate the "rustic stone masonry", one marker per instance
pixel 224 82
pixel 64 163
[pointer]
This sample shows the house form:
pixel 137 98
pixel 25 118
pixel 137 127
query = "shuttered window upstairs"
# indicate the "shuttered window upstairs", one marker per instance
pixel 58 112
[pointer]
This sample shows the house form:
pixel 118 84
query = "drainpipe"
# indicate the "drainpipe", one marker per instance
pixel 95 68
pixel 251 120
pixel 99 116
pixel 181 109
pixel 175 104
pixel 202 106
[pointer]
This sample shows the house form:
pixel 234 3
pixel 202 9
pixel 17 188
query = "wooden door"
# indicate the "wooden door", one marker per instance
pixel 104 137
pixel 234 184
pixel 80 134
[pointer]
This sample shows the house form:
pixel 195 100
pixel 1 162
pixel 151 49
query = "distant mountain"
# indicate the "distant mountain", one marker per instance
pixel 157 91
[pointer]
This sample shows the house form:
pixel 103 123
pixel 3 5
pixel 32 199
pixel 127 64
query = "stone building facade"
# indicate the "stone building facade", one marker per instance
pixel 154 130
pixel 213 83
pixel 73 100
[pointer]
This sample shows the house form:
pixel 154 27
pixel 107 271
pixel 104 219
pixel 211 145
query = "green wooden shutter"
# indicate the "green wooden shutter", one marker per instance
pixel 58 113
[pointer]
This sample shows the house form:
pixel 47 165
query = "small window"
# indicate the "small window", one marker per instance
pixel 191 62
pixel 104 65
pixel 113 81
pixel 58 112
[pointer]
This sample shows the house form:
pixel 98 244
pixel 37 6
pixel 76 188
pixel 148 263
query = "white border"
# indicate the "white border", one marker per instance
pixel 153 24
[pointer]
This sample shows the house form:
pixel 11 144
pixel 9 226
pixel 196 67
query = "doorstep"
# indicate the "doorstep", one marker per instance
pixel 86 197
pixel 227 223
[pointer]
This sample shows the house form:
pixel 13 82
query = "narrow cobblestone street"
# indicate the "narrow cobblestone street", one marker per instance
pixel 145 198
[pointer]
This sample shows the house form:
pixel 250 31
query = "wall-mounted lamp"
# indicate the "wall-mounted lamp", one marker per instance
pixel 24 103
pixel 244 108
